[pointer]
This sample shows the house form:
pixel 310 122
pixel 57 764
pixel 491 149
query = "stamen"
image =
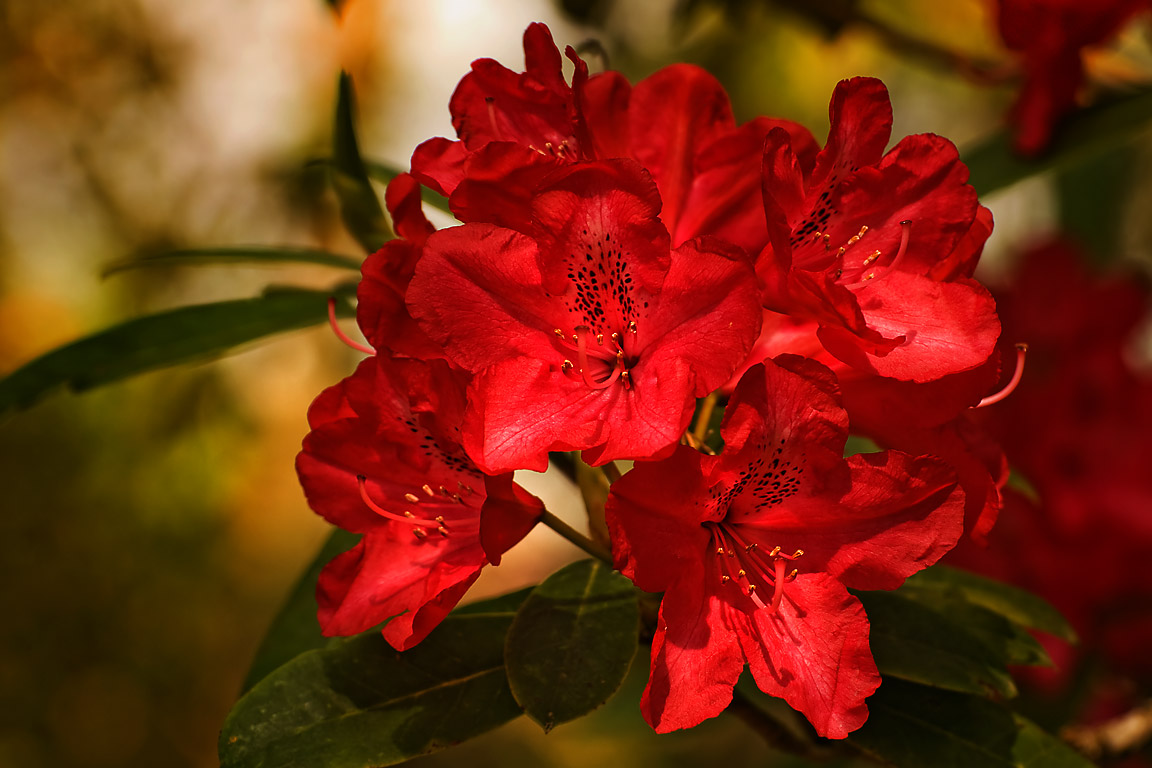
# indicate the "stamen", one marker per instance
pixel 582 333
pixel 906 231
pixel 1021 352
pixel 428 490
pixel 407 517
pixel 467 489
pixel 631 326
pixel 412 498
pixel 340 334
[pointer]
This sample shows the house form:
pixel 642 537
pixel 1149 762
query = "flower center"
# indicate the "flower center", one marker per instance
pixel 852 275
pixel 743 565
pixel 600 361
pixel 430 497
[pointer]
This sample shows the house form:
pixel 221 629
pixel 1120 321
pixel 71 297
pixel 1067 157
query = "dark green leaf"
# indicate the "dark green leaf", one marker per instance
pixel 295 628
pixel 572 642
pixel 358 702
pixel 995 165
pixel 167 338
pixel 1012 644
pixel 385 173
pixel 195 256
pixel 359 206
pixel 912 726
pixel 1012 603
pixel 913 642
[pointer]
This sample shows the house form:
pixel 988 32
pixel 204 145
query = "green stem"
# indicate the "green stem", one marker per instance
pixel 704 417
pixel 576 537
pixel 611 471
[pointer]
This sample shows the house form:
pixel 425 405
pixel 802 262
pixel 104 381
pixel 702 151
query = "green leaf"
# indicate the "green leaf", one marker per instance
pixel 198 256
pixel 164 339
pixel 295 628
pixel 1012 603
pixel 385 173
pixel 572 642
pixel 359 206
pixel 995 165
pixel 358 702
pixel 911 641
pixel 912 726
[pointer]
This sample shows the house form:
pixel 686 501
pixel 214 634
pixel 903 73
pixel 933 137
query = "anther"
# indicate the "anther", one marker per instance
pixel 600 339
pixel 616 337
pixel 631 326
pixel 340 334
pixel 725 579
pixel 750 547
pixel 412 498
pixel 751 588
pixel 742 573
pixel 442 531
pixel 559 333
pixel 419 533
pixel 871 258
pixel 427 489
pixel 1021 352
pixel 719 550
pixel 775 551
pixel 566 366
pixel 467 489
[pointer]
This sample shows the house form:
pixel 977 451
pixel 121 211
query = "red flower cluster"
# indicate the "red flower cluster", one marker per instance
pixel 624 251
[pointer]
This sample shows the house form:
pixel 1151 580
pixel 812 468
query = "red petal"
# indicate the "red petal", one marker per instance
pixel 381 578
pixel 508 515
pixel 439 164
pixel 654 514
pixel 947 327
pixel 675 113
pixel 813 653
pixel 696 659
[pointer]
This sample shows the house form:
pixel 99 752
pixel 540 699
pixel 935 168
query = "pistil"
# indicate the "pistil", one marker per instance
pixel 437 522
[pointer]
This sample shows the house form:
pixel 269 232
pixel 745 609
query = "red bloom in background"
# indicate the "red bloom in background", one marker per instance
pixel 877 249
pixel 515 128
pixel 387 464
pixel 753 550
pixel 1050 36
pixel 583 329
pixel 1078 429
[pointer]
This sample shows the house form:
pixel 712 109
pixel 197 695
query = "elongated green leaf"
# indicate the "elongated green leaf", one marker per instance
pixel 912 726
pixel 358 702
pixel 995 165
pixel 359 206
pixel 572 642
pixel 163 339
pixel 1012 603
pixel 385 173
pixel 238 255
pixel 295 628
pixel 913 642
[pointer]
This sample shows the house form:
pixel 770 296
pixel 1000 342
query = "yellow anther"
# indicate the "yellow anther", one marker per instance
pixel 412 497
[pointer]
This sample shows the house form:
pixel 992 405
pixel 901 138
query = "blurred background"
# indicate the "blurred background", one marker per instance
pixel 149 530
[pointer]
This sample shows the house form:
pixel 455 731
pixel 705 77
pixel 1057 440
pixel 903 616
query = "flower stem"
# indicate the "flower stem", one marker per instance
pixel 704 417
pixel 574 536
pixel 611 471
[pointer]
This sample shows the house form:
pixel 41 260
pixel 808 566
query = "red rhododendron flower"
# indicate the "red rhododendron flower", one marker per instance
pixel 678 123
pixel 388 465
pixel 583 329
pixel 754 549
pixel 876 248
pixel 1050 36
